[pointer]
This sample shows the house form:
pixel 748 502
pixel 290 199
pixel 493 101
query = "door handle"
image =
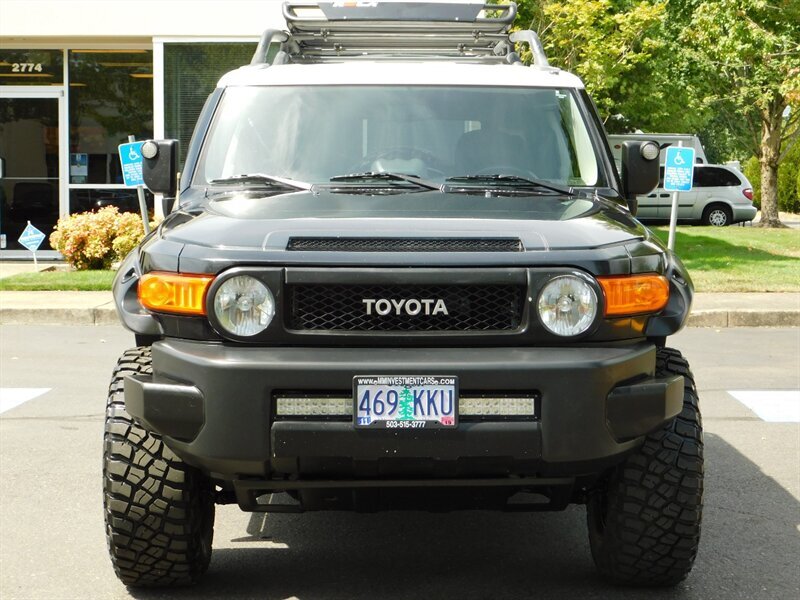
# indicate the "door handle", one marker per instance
pixel 652 196
pixel 665 195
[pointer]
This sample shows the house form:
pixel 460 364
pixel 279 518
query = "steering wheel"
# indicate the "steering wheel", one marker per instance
pixel 433 163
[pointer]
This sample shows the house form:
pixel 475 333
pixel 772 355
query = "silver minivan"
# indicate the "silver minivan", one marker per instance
pixel 720 195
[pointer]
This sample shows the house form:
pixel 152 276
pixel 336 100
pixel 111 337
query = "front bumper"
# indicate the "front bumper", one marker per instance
pixel 214 406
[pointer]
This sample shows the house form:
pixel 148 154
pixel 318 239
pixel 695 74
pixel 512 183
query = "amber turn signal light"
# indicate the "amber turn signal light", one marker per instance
pixel 174 293
pixel 634 294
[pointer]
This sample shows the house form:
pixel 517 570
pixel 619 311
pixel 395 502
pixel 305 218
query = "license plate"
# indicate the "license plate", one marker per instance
pixel 405 402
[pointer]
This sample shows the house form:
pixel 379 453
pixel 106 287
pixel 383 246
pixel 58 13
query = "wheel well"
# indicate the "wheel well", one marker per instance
pixel 717 204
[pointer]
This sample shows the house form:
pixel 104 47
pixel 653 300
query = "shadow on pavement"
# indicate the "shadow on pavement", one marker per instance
pixel 749 549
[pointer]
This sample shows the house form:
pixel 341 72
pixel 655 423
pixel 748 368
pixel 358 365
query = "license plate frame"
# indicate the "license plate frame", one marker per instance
pixel 420 392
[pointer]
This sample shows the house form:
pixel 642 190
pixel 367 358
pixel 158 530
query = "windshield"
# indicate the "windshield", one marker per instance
pixel 314 133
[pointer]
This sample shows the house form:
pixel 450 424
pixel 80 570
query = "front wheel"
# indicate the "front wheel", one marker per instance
pixel 644 518
pixel 159 511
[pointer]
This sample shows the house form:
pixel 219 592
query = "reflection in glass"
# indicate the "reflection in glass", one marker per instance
pixel 110 98
pixel 313 133
pixel 31 67
pixel 29 147
pixel 83 200
pixel 191 72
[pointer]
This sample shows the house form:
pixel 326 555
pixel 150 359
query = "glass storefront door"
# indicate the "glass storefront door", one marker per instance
pixel 31 178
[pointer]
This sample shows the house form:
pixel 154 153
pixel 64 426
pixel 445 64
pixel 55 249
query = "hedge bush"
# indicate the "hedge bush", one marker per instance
pixel 96 240
pixel 788 180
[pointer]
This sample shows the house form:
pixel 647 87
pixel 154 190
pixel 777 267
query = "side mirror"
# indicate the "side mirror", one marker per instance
pixel 160 166
pixel 640 170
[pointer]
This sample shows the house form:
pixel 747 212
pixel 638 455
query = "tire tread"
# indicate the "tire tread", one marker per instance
pixel 653 501
pixel 159 511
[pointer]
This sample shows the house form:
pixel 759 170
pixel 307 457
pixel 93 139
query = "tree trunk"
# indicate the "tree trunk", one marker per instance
pixel 770 155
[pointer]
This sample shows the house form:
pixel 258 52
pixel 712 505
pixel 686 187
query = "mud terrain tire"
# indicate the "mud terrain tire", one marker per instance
pixel 159 512
pixel 644 518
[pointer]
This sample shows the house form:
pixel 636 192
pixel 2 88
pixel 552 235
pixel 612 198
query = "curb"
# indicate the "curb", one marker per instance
pixel 107 315
pixel 59 316
pixel 744 318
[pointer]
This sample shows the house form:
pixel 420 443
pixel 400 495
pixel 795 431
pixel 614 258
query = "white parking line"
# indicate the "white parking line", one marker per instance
pixel 13 397
pixel 777 406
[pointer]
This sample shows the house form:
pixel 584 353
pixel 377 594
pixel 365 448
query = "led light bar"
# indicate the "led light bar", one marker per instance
pixel 295 406
pixel 311 406
pixel 497 407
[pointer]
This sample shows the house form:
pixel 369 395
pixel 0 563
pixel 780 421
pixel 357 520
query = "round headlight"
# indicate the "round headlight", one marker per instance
pixel 567 305
pixel 244 306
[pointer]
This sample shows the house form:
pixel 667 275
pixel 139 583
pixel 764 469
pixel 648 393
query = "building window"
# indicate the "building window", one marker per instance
pixel 110 98
pixel 90 199
pixel 31 67
pixel 191 72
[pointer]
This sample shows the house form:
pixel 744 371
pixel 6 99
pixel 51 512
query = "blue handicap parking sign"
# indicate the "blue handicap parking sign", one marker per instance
pixel 130 155
pixel 678 169
pixel 31 238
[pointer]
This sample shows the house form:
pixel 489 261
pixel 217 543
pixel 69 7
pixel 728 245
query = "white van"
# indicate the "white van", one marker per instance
pixel 720 195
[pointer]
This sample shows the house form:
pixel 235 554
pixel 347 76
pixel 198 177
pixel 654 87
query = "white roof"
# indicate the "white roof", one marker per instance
pixel 390 72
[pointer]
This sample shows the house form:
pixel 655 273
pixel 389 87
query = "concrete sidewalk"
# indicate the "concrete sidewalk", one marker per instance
pixel 97 308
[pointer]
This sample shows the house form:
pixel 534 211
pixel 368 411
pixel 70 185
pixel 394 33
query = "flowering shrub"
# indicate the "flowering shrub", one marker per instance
pixel 96 240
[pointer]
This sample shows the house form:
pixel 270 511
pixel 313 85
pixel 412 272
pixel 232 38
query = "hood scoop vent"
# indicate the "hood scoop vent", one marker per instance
pixel 385 244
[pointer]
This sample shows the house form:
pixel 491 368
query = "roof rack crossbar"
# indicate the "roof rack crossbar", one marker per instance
pixel 326 36
pixel 300 15
pixel 348 30
pixel 336 43
pixel 395 56
pixel 454 51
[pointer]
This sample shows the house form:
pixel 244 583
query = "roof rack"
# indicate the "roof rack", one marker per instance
pixel 325 31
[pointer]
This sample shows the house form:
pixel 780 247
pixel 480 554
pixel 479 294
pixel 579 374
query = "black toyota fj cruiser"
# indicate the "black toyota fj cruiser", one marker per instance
pixel 401 273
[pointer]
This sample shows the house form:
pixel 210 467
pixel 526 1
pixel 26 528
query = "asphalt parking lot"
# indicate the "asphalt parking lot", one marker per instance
pixel 52 542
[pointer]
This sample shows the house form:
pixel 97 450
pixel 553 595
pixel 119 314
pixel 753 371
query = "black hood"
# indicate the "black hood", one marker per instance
pixel 255 221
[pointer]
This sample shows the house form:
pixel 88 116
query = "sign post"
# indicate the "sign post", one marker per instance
pixel 130 155
pixel 678 175
pixel 32 238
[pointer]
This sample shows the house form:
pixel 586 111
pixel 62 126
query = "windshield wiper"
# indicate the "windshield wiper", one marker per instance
pixel 387 176
pixel 513 181
pixel 263 180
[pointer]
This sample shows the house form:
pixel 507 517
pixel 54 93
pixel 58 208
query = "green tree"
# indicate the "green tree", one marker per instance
pixel 602 42
pixel 788 173
pixel 626 53
pixel 798 183
pixel 405 409
pixel 788 180
pixel 752 170
pixel 727 70
pixel 749 51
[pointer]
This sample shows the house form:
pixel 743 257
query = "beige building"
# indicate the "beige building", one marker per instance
pixel 78 77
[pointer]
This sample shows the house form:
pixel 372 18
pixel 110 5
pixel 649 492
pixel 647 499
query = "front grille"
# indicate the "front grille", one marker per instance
pixel 345 244
pixel 340 307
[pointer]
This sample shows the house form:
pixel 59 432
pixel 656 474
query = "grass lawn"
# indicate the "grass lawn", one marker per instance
pixel 59 280
pixel 739 259
pixel 720 259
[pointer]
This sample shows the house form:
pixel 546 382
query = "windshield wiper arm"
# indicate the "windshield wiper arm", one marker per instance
pixel 514 181
pixel 263 179
pixel 387 176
